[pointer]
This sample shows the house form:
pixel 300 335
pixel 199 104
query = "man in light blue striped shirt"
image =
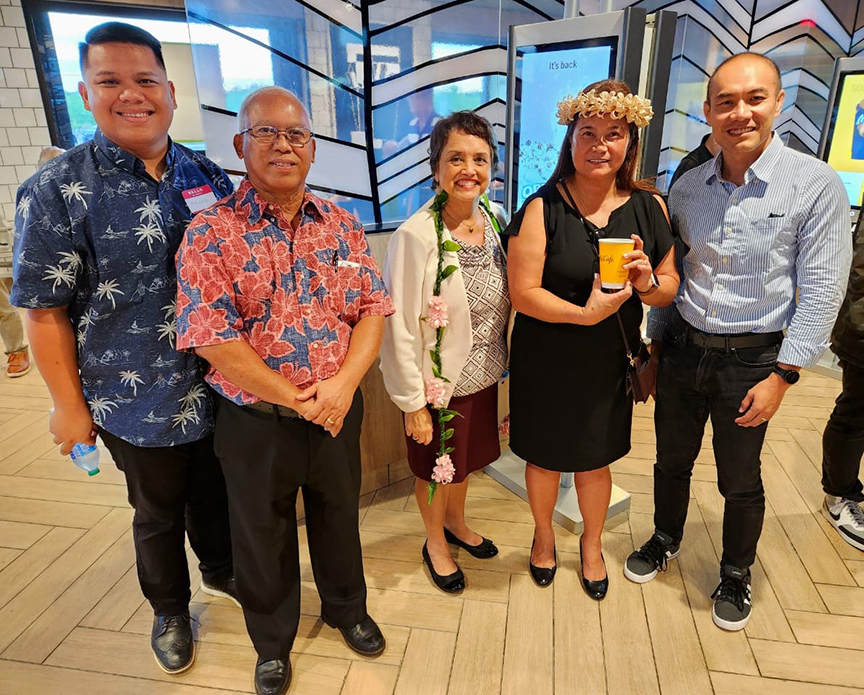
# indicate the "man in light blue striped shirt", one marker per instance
pixel 761 222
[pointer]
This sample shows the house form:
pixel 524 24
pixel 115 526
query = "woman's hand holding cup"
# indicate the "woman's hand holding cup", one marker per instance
pixel 601 305
pixel 638 265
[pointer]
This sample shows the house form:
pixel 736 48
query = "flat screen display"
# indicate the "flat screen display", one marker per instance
pixel 545 74
pixel 845 147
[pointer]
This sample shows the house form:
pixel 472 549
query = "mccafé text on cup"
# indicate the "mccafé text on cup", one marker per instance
pixel 613 274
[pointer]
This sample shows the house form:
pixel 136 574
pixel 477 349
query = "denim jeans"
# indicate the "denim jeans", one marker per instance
pixel 843 440
pixel 693 384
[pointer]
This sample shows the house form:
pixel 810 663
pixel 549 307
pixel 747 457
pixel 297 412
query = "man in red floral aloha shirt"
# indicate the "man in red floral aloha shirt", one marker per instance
pixel 278 291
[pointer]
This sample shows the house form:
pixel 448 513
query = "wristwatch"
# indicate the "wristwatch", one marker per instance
pixel 655 285
pixel 790 376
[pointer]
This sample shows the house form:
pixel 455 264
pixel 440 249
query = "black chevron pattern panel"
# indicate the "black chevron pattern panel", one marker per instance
pixel 375 74
pixel 804 37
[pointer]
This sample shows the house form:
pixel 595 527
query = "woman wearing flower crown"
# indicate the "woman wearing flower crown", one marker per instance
pixel 570 407
pixel 445 348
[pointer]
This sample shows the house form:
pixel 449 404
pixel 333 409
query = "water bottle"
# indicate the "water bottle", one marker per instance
pixel 86 457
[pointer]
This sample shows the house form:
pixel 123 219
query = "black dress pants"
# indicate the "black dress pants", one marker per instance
pixel 267 460
pixel 843 439
pixel 693 384
pixel 175 490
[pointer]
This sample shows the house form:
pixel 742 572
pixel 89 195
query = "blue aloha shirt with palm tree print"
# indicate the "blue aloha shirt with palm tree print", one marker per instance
pixel 94 231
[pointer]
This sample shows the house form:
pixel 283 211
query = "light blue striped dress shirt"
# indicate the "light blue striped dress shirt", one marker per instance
pixel 751 246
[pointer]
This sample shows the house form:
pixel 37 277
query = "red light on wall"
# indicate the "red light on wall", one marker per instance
pixel 809 23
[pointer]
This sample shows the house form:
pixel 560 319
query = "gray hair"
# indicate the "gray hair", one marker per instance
pixel 243 113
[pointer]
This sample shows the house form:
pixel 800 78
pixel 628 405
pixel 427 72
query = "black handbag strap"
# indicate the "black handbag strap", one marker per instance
pixel 595 243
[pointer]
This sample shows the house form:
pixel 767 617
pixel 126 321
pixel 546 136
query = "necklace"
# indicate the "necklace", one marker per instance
pixel 469 227
pixel 583 206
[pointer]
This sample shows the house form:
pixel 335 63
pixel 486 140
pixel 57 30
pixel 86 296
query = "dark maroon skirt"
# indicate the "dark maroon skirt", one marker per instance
pixel 475 440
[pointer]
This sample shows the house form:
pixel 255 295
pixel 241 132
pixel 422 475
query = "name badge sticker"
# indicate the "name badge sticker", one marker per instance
pixel 198 199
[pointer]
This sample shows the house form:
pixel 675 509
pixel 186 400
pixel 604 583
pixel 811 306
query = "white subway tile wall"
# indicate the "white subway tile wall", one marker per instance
pixel 23 127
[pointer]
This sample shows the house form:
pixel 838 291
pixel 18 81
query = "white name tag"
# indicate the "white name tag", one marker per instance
pixel 198 199
pixel 348 264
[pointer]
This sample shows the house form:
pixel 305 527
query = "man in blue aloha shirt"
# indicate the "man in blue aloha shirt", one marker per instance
pixel 96 233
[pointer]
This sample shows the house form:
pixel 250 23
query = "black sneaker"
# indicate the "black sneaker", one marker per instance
pixel 172 642
pixel 732 599
pixel 227 589
pixel 644 564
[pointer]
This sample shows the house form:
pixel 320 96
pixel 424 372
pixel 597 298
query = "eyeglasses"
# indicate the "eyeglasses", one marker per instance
pixel 268 134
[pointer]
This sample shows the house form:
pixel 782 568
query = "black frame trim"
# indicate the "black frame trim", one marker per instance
pixel 275 51
pixel 317 136
pixel 436 61
pixel 440 83
pixel 367 114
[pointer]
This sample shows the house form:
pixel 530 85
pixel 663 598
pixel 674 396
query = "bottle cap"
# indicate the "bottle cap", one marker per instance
pixel 93 472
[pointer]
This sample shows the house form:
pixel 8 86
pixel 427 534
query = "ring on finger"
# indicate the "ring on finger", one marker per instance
pixel 330 421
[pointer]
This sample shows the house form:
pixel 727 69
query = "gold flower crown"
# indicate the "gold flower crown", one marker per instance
pixel 634 108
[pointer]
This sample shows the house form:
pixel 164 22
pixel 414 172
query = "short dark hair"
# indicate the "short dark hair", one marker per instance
pixel 467 122
pixel 745 54
pixel 119 32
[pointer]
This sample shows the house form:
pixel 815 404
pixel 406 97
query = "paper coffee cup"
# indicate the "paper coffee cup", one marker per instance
pixel 613 274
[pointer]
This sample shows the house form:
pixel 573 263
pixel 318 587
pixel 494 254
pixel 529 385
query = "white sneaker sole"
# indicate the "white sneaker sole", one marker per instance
pixel 855 543
pixel 18 374
pixel 645 578
pixel 730 627
pixel 212 591
pixel 179 670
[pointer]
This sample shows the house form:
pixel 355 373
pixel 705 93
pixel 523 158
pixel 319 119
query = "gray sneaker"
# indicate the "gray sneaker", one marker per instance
pixel 847 517
pixel 732 599
pixel 644 564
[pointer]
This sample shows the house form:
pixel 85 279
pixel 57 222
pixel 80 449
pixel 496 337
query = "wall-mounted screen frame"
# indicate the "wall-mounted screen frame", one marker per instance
pixel 610 43
pixel 842 143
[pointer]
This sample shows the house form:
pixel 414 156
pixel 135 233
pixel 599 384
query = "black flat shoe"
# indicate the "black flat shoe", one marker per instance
pixel 595 589
pixel 172 642
pixel 483 551
pixel 542 576
pixel 452 583
pixel 364 638
pixel 272 677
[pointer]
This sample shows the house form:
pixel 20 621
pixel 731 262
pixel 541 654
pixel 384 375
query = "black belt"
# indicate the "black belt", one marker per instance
pixel 718 341
pixel 273 409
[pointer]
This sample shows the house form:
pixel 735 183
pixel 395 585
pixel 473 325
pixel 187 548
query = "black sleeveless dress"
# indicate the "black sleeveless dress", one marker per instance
pixel 569 406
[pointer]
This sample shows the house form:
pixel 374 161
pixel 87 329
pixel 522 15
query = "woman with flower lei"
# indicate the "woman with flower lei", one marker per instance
pixel 570 408
pixel 445 348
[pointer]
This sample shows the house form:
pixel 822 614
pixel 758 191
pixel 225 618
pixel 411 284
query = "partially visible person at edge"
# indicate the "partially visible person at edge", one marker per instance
pixel 762 223
pixel 571 409
pixel 474 305
pixel 97 230
pixel 706 151
pixel 843 439
pixel 279 292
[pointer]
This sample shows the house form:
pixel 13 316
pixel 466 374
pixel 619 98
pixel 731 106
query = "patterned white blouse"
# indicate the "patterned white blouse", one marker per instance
pixel 484 271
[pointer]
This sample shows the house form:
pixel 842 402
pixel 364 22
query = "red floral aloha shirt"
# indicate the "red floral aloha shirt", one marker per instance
pixel 244 274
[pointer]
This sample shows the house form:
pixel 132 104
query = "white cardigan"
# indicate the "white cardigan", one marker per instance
pixel 409 273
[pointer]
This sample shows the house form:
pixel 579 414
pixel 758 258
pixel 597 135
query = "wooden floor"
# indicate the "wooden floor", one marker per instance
pixel 73 621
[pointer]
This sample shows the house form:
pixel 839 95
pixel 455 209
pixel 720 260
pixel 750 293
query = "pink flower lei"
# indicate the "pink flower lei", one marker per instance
pixel 437 317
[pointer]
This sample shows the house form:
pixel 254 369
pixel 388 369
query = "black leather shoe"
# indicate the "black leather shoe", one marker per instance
pixel 272 677
pixel 483 551
pixel 172 642
pixel 226 589
pixel 452 583
pixel 364 638
pixel 595 589
pixel 542 576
